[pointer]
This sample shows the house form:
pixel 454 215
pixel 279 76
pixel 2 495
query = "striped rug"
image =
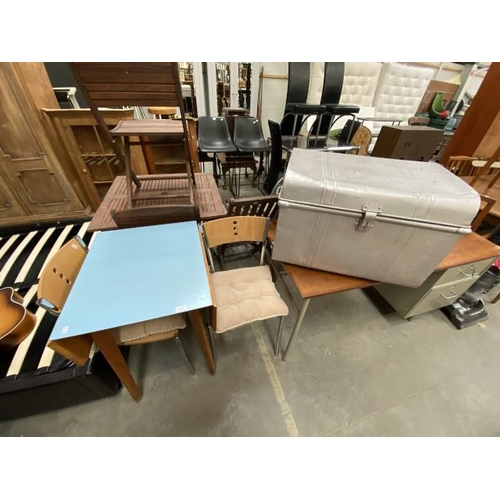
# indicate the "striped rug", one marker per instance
pixel 22 258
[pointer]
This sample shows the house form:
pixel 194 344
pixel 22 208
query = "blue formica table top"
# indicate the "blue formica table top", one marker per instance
pixel 132 275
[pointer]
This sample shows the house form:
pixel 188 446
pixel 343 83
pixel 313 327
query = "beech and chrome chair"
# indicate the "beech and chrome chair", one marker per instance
pixel 246 294
pixel 56 282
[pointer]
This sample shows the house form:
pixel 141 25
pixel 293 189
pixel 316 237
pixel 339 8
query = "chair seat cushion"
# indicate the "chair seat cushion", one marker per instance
pixel 245 295
pixel 145 329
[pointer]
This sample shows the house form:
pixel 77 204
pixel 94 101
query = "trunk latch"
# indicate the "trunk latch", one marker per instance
pixel 369 213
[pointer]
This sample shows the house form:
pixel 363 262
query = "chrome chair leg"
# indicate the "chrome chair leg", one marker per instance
pixel 278 337
pixel 185 354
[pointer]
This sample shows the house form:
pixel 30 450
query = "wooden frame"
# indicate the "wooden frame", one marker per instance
pixel 132 84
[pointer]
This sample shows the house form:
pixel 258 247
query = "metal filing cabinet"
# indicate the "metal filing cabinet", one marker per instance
pixel 439 290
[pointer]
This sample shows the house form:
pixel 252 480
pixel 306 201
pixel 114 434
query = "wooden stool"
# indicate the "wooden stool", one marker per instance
pixel 162 111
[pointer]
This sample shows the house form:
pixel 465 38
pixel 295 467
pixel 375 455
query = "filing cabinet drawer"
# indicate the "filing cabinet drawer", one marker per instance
pixel 467 271
pixel 441 296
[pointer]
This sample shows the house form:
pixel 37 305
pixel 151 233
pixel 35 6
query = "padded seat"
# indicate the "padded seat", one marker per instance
pixel 303 108
pixel 150 331
pixel 245 295
pixel 342 109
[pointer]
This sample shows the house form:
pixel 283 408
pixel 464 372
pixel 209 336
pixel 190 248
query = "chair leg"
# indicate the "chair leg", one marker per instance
pixel 185 354
pixel 278 337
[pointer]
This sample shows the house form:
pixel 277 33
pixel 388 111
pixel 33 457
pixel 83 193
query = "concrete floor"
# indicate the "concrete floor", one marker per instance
pixel 355 369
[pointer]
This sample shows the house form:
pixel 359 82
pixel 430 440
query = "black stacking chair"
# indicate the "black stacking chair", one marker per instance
pixel 214 137
pixel 249 138
pixel 330 97
pixel 277 164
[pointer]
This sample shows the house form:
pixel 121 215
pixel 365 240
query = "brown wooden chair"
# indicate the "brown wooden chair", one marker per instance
pixel 132 84
pixel 151 215
pixel 460 165
pixel 487 204
pixel 362 138
pixel 56 282
pixel 245 294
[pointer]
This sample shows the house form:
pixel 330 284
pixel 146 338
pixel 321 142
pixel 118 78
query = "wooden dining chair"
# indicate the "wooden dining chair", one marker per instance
pixel 145 84
pixel 245 294
pixel 487 204
pixel 56 282
pixel 460 164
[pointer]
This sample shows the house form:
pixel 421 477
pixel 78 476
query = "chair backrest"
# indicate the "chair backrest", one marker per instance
pixel 362 138
pixel 298 81
pixel 276 160
pixel 117 84
pixel 151 216
pixel 231 230
pixel 248 135
pixel 459 164
pixel 487 204
pixel 348 131
pixel 214 134
pixel 332 82
pixel 259 206
pixel 59 274
pixel 297 91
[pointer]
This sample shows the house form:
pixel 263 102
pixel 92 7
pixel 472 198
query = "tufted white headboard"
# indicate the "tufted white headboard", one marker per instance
pixel 399 92
pixel 360 83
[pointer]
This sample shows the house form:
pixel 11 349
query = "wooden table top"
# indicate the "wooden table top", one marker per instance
pixel 148 127
pixel 206 195
pixel 312 283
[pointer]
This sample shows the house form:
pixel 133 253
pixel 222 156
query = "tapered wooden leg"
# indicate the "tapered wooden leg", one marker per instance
pixel 200 331
pixel 106 342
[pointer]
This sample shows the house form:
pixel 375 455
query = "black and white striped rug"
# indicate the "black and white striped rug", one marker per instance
pixel 22 258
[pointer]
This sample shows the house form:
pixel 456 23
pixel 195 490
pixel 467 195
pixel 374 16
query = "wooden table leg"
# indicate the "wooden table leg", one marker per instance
pixel 201 336
pixel 106 342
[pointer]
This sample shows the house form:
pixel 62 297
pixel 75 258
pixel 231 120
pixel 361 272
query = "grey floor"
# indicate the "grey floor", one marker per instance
pixel 356 369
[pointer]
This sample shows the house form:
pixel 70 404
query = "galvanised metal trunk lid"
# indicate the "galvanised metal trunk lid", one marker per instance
pixel 387 220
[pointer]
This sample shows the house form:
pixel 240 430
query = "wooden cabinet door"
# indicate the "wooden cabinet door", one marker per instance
pixel 10 206
pixel 27 161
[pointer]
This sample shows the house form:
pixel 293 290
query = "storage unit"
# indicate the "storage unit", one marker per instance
pixel 386 220
pixel 407 142
pixel 440 289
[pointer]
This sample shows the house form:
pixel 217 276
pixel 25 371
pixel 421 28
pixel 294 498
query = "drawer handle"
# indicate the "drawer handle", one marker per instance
pixel 471 275
pixel 450 297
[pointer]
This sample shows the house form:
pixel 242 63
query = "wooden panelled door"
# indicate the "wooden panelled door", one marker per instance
pixel 33 186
